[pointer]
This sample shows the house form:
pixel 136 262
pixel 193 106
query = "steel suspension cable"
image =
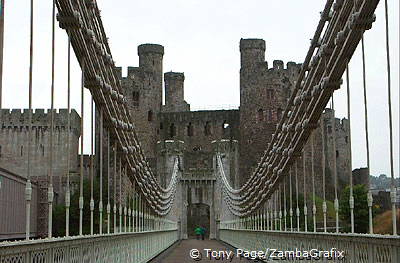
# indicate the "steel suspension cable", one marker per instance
pixel 125 192
pixel 91 168
pixel 351 198
pixel 304 190
pixel 369 197
pixel 68 192
pixel 336 201
pixel 284 203
pixel 108 183
pixel 101 128
pixel 393 187
pixel 115 187
pixel 50 192
pixel 297 197
pixel 81 157
pixel 290 200
pixel 28 186
pixel 324 208
pixel 314 208
pixel 280 207
pixel 120 195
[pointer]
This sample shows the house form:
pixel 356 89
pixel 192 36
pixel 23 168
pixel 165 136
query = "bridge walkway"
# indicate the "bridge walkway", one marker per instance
pixel 181 252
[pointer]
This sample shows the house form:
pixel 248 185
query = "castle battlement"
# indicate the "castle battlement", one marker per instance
pixel 278 65
pixel 252 43
pixel 174 76
pixel 150 48
pixel 40 117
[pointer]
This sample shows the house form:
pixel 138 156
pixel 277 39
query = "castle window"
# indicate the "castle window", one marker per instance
pixel 337 154
pixel 172 130
pixel 279 114
pixel 260 115
pixel 346 139
pixel 22 150
pixel 190 129
pixel 135 98
pixel 0 150
pixel 329 129
pixel 270 94
pixel 225 126
pixel 42 149
pixel 197 148
pixel 207 129
pixel 269 115
pixel 161 125
pixel 150 115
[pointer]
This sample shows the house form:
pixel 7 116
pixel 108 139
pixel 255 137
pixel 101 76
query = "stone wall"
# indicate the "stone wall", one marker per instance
pixel 264 93
pixel 199 128
pixel 14 142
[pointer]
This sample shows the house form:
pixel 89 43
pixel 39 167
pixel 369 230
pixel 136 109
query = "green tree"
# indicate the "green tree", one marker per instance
pixel 360 208
pixel 59 211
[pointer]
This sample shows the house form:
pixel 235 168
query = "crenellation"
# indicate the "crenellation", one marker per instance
pixel 118 70
pixel 40 118
pixel 278 65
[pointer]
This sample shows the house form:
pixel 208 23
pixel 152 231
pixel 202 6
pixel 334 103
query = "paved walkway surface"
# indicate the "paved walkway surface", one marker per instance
pixel 181 253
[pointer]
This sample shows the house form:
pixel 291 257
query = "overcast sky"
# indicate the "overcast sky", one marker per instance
pixel 201 39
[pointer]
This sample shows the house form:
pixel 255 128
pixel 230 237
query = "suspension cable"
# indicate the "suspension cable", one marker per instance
pixel 304 190
pixel 314 208
pixel 115 187
pixel 108 183
pixel 335 177
pixel 324 208
pixel 50 193
pixel 291 200
pixel 369 198
pixel 81 157
pixel 284 203
pixel 91 168
pixel 297 197
pixel 101 128
pixel 28 186
pixel 68 193
pixel 393 187
pixel 351 198
pixel 120 195
pixel 280 207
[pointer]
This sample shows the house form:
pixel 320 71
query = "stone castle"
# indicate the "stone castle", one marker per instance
pixel 170 129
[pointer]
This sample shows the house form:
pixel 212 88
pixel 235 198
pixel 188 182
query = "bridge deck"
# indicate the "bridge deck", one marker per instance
pixel 181 253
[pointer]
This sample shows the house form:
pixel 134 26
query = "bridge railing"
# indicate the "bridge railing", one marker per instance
pixel 353 247
pixel 297 198
pixel 121 247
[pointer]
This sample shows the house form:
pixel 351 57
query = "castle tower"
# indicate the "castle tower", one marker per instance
pixel 143 90
pixel 263 96
pixel 252 51
pixel 151 62
pixel 174 92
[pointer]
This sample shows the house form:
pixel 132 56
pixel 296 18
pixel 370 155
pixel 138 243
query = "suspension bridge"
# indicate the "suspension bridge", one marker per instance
pixel 139 219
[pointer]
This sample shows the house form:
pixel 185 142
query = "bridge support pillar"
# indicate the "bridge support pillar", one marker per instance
pixel 184 234
pixel 213 229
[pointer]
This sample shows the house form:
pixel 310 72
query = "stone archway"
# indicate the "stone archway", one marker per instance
pixel 198 214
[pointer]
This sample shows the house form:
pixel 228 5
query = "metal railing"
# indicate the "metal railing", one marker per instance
pixel 123 247
pixel 355 247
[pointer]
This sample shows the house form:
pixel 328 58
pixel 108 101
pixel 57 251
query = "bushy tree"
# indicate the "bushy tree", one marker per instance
pixel 360 194
pixel 59 211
